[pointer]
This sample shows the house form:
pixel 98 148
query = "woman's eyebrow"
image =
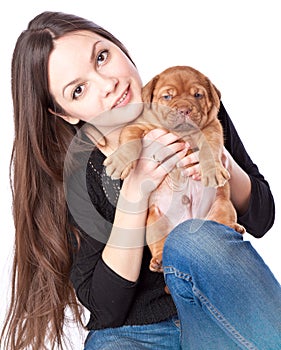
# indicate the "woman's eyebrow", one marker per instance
pixel 92 57
pixel 69 84
pixel 93 54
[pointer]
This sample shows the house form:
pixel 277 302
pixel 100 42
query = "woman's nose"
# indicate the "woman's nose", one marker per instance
pixel 107 85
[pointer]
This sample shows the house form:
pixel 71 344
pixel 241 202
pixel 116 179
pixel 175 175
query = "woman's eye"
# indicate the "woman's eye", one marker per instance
pixel 77 92
pixel 167 97
pixel 102 57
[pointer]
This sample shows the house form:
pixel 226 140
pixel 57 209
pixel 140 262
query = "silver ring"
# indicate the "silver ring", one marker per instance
pixel 156 160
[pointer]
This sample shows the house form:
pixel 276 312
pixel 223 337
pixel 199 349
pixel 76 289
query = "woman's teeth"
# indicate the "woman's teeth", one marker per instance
pixel 122 98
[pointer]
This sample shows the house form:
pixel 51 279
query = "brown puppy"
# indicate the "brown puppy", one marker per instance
pixel 185 102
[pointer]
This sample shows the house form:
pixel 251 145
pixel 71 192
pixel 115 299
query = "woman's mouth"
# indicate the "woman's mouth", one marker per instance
pixel 123 100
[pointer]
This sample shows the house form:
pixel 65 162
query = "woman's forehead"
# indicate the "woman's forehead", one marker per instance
pixel 78 38
pixel 72 49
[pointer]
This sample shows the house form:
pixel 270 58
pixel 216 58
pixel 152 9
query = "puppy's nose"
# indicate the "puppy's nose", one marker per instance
pixel 184 111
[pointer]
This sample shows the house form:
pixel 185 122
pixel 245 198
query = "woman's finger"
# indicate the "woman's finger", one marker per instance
pixel 163 153
pixel 169 163
pixel 193 171
pixel 151 136
pixel 192 158
pixel 160 137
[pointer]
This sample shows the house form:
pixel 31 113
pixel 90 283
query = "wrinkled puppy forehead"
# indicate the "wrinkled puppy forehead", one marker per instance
pixel 181 76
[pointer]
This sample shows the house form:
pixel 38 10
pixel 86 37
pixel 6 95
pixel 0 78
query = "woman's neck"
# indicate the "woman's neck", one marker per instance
pixel 111 142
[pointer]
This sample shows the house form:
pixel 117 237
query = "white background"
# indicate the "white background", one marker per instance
pixel 235 43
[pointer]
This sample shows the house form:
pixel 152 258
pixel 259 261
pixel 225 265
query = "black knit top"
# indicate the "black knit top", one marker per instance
pixel 92 196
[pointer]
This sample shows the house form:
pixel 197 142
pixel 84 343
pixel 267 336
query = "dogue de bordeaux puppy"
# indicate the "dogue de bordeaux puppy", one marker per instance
pixel 184 101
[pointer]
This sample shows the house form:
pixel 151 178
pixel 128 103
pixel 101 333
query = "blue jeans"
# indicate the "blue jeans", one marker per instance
pixel 226 296
pixel 163 335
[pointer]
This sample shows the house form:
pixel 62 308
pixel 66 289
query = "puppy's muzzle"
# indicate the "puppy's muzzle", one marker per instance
pixel 184 111
pixel 180 119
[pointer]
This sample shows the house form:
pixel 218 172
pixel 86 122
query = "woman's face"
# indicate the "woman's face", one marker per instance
pixel 89 75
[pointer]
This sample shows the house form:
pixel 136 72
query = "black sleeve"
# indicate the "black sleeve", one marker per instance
pixel 104 293
pixel 260 215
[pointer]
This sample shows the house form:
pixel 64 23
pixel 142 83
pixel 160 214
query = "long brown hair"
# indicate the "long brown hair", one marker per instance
pixel 41 288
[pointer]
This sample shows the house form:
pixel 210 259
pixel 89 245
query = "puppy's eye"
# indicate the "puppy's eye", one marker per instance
pixel 167 97
pixel 198 95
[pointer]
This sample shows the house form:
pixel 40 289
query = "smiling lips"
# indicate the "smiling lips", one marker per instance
pixel 122 101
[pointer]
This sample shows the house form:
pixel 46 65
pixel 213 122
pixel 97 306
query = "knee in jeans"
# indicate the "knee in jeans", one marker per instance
pixel 189 233
pixel 196 239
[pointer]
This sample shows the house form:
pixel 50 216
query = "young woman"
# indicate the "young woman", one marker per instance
pixel 70 76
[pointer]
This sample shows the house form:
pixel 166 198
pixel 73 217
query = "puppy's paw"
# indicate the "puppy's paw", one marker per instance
pixel 156 264
pixel 167 291
pixel 115 166
pixel 215 177
pixel 127 169
pixel 238 228
pixel 118 164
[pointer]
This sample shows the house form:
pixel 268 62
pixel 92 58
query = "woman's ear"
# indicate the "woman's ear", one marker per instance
pixel 70 120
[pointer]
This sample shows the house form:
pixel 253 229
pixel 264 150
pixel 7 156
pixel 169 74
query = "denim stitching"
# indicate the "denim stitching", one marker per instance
pixel 177 273
pixel 211 308
pixel 223 321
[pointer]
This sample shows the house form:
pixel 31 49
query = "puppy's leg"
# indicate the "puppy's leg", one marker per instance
pixel 210 144
pixel 119 164
pixel 223 211
pixel 158 227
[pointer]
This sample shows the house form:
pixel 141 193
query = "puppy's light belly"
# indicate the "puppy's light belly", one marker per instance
pixel 193 200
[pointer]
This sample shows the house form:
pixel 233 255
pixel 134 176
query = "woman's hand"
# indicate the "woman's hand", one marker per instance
pixel 240 183
pixel 160 154
pixel 190 165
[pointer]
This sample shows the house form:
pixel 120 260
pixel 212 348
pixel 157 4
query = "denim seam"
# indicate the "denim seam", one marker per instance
pixel 177 273
pixel 168 270
pixel 220 318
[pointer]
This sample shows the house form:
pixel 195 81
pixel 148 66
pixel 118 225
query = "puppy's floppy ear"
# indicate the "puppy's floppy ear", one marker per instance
pixel 215 94
pixel 214 100
pixel 147 90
